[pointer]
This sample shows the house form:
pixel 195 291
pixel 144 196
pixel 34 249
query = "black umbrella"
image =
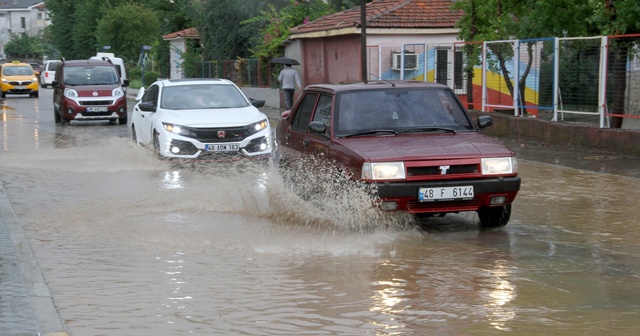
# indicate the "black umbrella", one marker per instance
pixel 285 60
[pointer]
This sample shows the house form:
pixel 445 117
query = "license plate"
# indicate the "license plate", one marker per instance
pixel 97 109
pixel 20 87
pixel 230 147
pixel 462 193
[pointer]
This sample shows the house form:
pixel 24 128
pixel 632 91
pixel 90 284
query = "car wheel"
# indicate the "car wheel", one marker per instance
pixel 3 94
pixel 123 120
pixel 56 116
pixel 134 136
pixel 156 144
pixel 492 217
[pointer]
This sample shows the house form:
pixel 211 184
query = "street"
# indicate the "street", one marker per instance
pixel 132 245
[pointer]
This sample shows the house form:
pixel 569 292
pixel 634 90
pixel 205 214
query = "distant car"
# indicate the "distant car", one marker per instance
pixel 37 68
pixel 413 141
pixel 201 118
pixel 48 72
pixel 88 90
pixel 18 78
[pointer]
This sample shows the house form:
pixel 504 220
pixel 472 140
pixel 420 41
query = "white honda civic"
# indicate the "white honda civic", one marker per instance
pixel 200 118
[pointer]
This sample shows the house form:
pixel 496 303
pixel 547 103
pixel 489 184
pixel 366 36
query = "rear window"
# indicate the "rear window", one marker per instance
pixel 398 109
pixel 91 75
pixel 52 66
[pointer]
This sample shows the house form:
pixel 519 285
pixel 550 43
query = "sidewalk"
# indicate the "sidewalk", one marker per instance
pixel 26 305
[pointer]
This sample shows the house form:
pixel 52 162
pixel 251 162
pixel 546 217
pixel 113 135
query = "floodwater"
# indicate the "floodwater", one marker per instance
pixel 131 245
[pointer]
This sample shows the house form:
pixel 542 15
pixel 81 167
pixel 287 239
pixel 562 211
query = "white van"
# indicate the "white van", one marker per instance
pixel 48 72
pixel 117 61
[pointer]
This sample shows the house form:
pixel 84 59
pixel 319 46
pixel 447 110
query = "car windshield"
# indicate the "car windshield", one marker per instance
pixel 90 75
pixel 400 110
pixel 202 96
pixel 17 70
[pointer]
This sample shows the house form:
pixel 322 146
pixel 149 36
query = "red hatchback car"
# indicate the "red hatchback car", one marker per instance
pixel 413 140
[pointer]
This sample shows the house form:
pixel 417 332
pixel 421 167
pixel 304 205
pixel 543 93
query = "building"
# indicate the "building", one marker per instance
pixel 21 17
pixel 178 46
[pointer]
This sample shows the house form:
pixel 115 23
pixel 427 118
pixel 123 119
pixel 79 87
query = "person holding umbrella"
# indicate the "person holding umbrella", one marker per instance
pixel 288 79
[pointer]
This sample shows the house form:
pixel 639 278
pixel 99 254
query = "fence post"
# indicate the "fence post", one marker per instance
pixel 602 83
pixel 556 77
pixel 484 76
pixel 516 80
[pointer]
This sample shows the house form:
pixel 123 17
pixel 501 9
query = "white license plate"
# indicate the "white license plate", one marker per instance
pixel 20 87
pixel 462 193
pixel 230 147
pixel 97 109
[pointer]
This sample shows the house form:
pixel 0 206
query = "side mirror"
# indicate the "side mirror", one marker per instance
pixel 257 102
pixel 125 82
pixel 140 93
pixel 147 106
pixel 317 127
pixel 55 84
pixel 484 122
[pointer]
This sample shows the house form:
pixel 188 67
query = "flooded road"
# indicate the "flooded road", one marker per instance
pixel 131 245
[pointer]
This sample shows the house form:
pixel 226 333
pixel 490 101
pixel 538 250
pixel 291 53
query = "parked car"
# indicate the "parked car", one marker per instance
pixel 48 72
pixel 37 68
pixel 413 141
pixel 18 78
pixel 201 118
pixel 88 90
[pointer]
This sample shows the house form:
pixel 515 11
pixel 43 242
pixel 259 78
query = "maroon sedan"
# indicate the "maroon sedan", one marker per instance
pixel 413 140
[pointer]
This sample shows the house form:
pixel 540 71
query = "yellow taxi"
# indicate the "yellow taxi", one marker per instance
pixel 18 78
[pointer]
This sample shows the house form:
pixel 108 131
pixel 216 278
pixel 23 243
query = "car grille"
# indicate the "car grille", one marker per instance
pixel 96 102
pixel 435 170
pixel 231 134
pixel 20 82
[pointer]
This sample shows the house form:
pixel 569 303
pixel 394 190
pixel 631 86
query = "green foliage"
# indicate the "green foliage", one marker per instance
pixel 127 28
pixel 87 14
pixel 276 24
pixel 24 46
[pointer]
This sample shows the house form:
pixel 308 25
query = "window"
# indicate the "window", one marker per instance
pixel 303 115
pixel 23 22
pixel 323 111
pixel 450 69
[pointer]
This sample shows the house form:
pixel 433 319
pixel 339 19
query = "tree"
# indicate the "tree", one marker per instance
pixel 24 46
pixel 60 32
pixel 221 33
pixel 128 27
pixel 490 20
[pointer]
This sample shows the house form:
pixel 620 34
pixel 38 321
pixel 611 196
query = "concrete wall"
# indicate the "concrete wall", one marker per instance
pixel 270 96
pixel 568 135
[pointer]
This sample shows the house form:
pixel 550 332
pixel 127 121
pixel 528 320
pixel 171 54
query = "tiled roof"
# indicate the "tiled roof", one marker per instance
pixel 187 33
pixel 20 4
pixel 402 14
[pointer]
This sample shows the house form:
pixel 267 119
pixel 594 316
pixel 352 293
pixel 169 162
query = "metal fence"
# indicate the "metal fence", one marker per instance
pixel 587 77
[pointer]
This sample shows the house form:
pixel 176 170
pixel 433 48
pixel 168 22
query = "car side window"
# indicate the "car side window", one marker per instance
pixel 303 115
pixel 151 95
pixel 323 110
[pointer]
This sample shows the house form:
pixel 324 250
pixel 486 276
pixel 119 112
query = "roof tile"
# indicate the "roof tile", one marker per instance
pixel 419 14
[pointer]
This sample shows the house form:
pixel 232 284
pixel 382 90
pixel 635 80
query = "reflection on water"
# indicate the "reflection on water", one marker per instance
pixel 133 245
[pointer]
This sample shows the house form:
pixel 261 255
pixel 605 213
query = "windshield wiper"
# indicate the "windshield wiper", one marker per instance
pixel 428 129
pixel 375 131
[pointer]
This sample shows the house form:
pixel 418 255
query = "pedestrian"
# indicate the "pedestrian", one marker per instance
pixel 289 79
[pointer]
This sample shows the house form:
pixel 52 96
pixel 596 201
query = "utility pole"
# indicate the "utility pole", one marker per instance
pixel 363 39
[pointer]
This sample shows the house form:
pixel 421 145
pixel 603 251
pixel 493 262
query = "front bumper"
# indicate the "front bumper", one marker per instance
pixel 405 194
pixel 257 146
pixel 113 109
pixel 20 89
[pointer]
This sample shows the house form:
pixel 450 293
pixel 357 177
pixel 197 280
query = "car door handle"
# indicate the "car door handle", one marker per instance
pixel 305 142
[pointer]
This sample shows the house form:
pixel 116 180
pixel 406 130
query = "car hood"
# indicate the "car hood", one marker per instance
pixel 228 117
pixel 425 146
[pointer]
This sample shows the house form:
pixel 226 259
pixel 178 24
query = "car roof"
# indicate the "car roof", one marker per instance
pixel 373 85
pixel 187 81
pixel 86 62
pixel 16 63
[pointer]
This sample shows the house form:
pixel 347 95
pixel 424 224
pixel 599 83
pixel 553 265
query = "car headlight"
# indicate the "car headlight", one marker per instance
pixel 4 80
pixel 177 129
pixel 34 79
pixel 117 92
pixel 259 126
pixel 70 93
pixel 383 171
pixel 499 166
